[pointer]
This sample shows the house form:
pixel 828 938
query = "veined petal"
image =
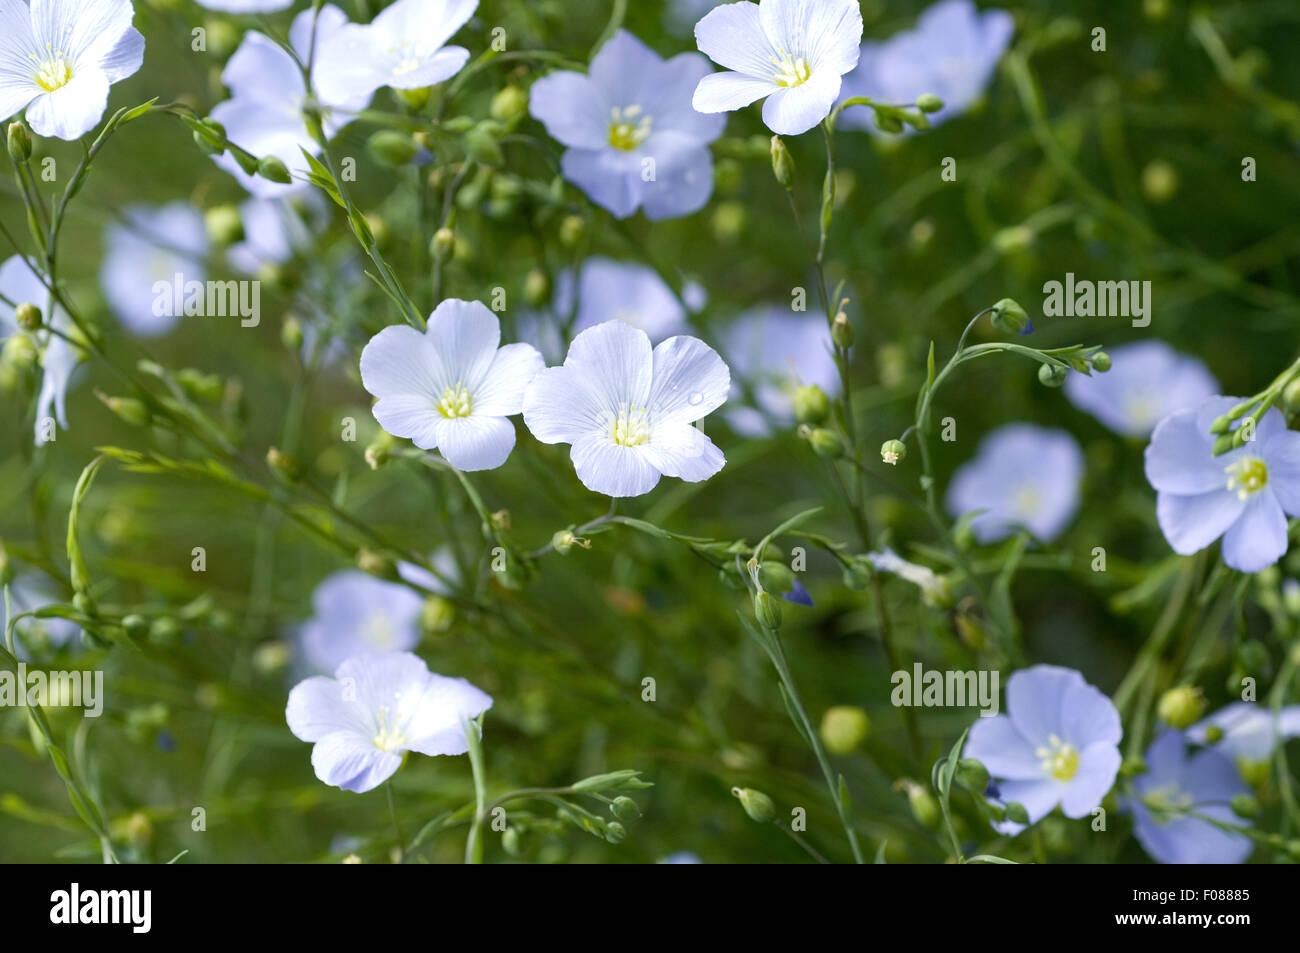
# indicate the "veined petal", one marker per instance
pixel 1002 749
pixel 616 362
pixel 474 442
pixel 438 725
pixel 501 394
pixel 789 112
pixel 464 336
pixel 572 110
pixel 347 65
pixel 679 450
pixel 1179 458
pixel 732 36
pixel 1094 777
pixel 442 65
pixel 316 708
pixel 349 761
pixel 262 72
pixel 413 416
pixel 1190 523
pixel 73 109
pixel 724 92
pixel 560 407
pixel 429 23
pixel 1035 696
pixel 683 182
pixel 398 360
pixel 83 32
pixel 1281 454
pixel 611 177
pixel 827 33
pixel 1089 717
pixel 690 380
pixel 605 467
pixel 1258 538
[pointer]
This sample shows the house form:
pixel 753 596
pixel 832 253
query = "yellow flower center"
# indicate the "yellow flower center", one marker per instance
pixel 378 630
pixel 53 73
pixel 631 428
pixel 1059 759
pixel 455 401
pixel 387 737
pixel 1167 803
pixel 790 71
pixel 1247 476
pixel 628 128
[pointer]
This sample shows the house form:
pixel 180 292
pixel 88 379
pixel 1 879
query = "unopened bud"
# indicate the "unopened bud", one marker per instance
pixel 811 405
pixel 1243 805
pixel 483 143
pixel 844 728
pixel 782 163
pixel 273 170
pixel 291 332
pixel 1100 362
pixel 283 465
pixel 1051 375
pixel 625 809
pixel 443 244
pixel 1180 707
pixel 210 137
pixel 377 565
pixel 19 142
pixel 768 609
pixel 842 331
pixel 929 103
pixel 223 225
pixel 973 774
pixel 509 105
pixel 391 148
pixel 826 443
pixel 437 615
pixel 133 411
pixel 415 99
pixel 757 805
pixel 1009 317
pixel 537 288
pixel 28 316
pixel 572 230
pixel 1016 812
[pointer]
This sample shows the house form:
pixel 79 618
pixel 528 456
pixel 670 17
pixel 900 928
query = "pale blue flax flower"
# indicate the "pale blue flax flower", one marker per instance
pixel 452 387
pixel 1247 733
pixel 376 708
pixel 951 53
pixel 627 409
pixel 149 260
pixel 632 139
pixel 1147 382
pixel 1022 477
pixel 1057 743
pixel 353 614
pixel 1175 784
pixel 1244 495
pixel 793 52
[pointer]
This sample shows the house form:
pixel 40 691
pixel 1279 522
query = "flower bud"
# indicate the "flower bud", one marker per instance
pixel 1213 734
pixel 509 105
pixel 768 609
pixel 1016 812
pixel 973 774
pixel 20 351
pixel 842 331
pixel 572 230
pixel 844 728
pixel 757 805
pixel 1051 375
pixel 537 288
pixel 436 616
pixel 6 567
pixel 1009 317
pixel 377 565
pixel 271 657
pixel 782 163
pixel 201 386
pixel 283 465
pixel 929 103
pixel 210 137
pixel 391 148
pixel 28 316
pixel 887 121
pixel 223 225
pixel 415 99
pixel 893 452
pixel 443 244
pixel 273 170
pixel 136 626
pixel 1100 362
pixel 826 443
pixel 1159 181
pixel 483 143
pixel 615 832
pixel 776 576
pixel 1245 806
pixel 1180 707
pixel 811 405
pixel 924 805
pixel 20 143
pixel 728 221
pixel 510 841
pixel 379 451
pixel 625 809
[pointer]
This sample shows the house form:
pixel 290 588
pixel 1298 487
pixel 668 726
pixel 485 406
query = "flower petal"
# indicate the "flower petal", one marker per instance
pixel 572 110
pixel 732 35
pixel 501 393
pixel 559 407
pixel 1179 458
pixel 1190 523
pixel 347 760
pixel 438 726
pixel 1258 538
pixel 789 112
pixel 1035 697
pixel 690 380
pixel 677 449
pixel 1281 453
pixel 475 442
pixel 1003 750
pixel 605 467
pixel 397 361
pixel 316 709
pixel 1098 768
pixel 826 33
pixel 725 92
pixel 610 177
pixel 72 110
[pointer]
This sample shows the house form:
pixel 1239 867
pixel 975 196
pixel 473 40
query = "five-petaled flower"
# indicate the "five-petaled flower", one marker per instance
pixel 1147 382
pixel 59 57
pixel 452 387
pixel 794 52
pixel 401 48
pixel 633 139
pixel 1058 743
pixel 627 410
pixel 1244 495
pixel 375 708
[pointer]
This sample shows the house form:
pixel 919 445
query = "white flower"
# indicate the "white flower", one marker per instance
pixel 375 708
pixel 451 387
pixel 402 48
pixel 21 285
pixel 264 113
pixel 627 410
pixel 794 52
pixel 155 244
pixel 58 58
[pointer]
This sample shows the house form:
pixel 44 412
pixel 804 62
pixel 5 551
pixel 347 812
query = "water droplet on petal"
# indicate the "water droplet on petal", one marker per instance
pixel 695 399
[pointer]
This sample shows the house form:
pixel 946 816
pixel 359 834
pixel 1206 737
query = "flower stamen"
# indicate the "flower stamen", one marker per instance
pixel 1060 760
pixel 790 71
pixel 455 402
pixel 628 128
pixel 1247 476
pixel 631 427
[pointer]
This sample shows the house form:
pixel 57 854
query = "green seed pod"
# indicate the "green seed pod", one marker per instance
pixel 811 405
pixel 223 225
pixel 509 105
pixel 1180 707
pixel 1009 317
pixel 1100 362
pixel 1243 805
pixel 377 564
pixel 1051 375
pixel 19 142
pixel 273 170
pixel 842 331
pixel 782 163
pixel 391 148
pixel 572 230
pixel 483 143
pixel 283 465
pixel 415 99
pixel 844 728
pixel 929 103
pixel 625 809
pixel 768 609
pixel 28 316
pixel 537 288
pixel 443 244
pixel 827 444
